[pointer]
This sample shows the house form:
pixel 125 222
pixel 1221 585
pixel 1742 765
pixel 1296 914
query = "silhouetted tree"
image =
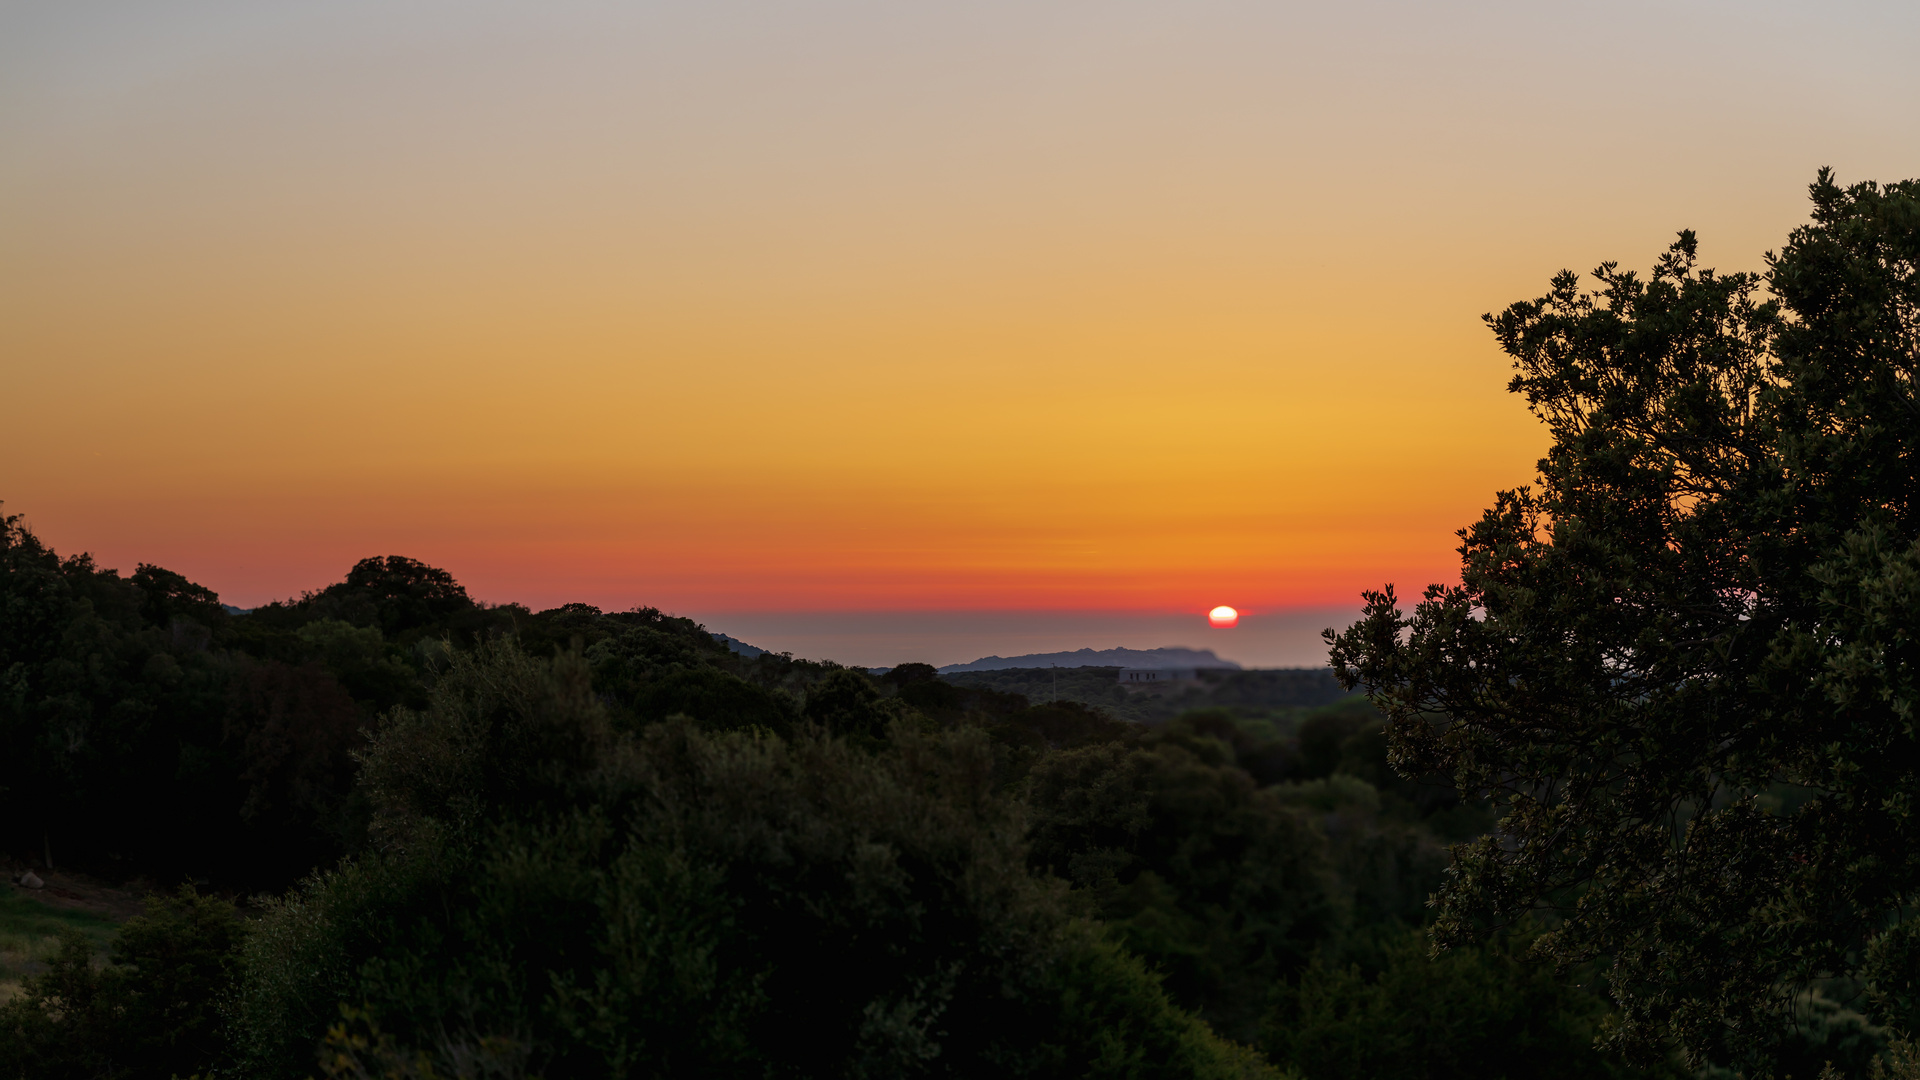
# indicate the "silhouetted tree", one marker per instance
pixel 396 593
pixel 1686 665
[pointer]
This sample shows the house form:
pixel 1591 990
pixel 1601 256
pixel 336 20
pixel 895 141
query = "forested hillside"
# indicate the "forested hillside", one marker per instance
pixel 573 842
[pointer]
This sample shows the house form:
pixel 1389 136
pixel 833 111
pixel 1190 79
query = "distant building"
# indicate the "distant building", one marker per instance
pixel 1139 676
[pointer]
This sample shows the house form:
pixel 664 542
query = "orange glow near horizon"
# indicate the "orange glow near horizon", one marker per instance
pixel 844 306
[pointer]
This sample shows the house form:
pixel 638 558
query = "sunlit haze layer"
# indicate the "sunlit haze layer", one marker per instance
pixel 738 308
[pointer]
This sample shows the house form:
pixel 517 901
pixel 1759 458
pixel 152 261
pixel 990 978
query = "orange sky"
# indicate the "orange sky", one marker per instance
pixel 757 307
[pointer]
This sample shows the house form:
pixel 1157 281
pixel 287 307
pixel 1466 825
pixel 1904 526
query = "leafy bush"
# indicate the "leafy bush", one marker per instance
pixel 154 1011
pixel 1472 1014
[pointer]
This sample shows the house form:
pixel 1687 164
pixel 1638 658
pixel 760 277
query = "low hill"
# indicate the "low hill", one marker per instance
pixel 1171 656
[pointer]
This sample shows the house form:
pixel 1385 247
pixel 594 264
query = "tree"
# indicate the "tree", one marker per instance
pixel 1684 664
pixel 401 594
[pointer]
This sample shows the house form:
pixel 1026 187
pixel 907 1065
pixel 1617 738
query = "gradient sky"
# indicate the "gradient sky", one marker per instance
pixel 737 307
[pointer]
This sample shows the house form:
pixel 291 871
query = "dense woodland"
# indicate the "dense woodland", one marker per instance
pixel 579 843
pixel 1634 800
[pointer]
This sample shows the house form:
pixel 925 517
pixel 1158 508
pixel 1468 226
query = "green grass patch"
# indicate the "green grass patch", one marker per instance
pixel 30 933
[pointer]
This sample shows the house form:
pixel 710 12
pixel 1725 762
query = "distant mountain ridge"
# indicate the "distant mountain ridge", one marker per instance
pixel 1168 657
pixel 734 644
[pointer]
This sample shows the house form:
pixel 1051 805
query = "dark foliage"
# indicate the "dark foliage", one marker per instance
pixel 395 595
pixel 1470 1014
pixel 147 730
pixel 1686 664
pixel 1220 884
pixel 154 1011
pixel 510 802
pixel 572 900
pixel 112 706
pixel 292 729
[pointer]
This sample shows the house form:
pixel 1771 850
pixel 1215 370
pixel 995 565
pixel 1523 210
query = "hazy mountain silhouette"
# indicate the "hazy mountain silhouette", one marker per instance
pixel 737 646
pixel 1171 656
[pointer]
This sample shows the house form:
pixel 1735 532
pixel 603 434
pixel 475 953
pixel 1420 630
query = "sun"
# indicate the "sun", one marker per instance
pixel 1223 617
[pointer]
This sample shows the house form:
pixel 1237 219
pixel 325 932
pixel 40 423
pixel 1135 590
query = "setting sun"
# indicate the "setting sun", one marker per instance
pixel 582 534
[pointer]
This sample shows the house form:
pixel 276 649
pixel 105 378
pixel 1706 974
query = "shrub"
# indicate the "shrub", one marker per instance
pixel 154 1011
pixel 1483 1014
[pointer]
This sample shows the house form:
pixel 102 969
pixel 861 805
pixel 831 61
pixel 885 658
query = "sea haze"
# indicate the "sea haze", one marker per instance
pixel 885 638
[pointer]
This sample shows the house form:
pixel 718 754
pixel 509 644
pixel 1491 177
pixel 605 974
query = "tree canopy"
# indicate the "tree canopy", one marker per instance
pixel 1683 664
pixel 572 842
